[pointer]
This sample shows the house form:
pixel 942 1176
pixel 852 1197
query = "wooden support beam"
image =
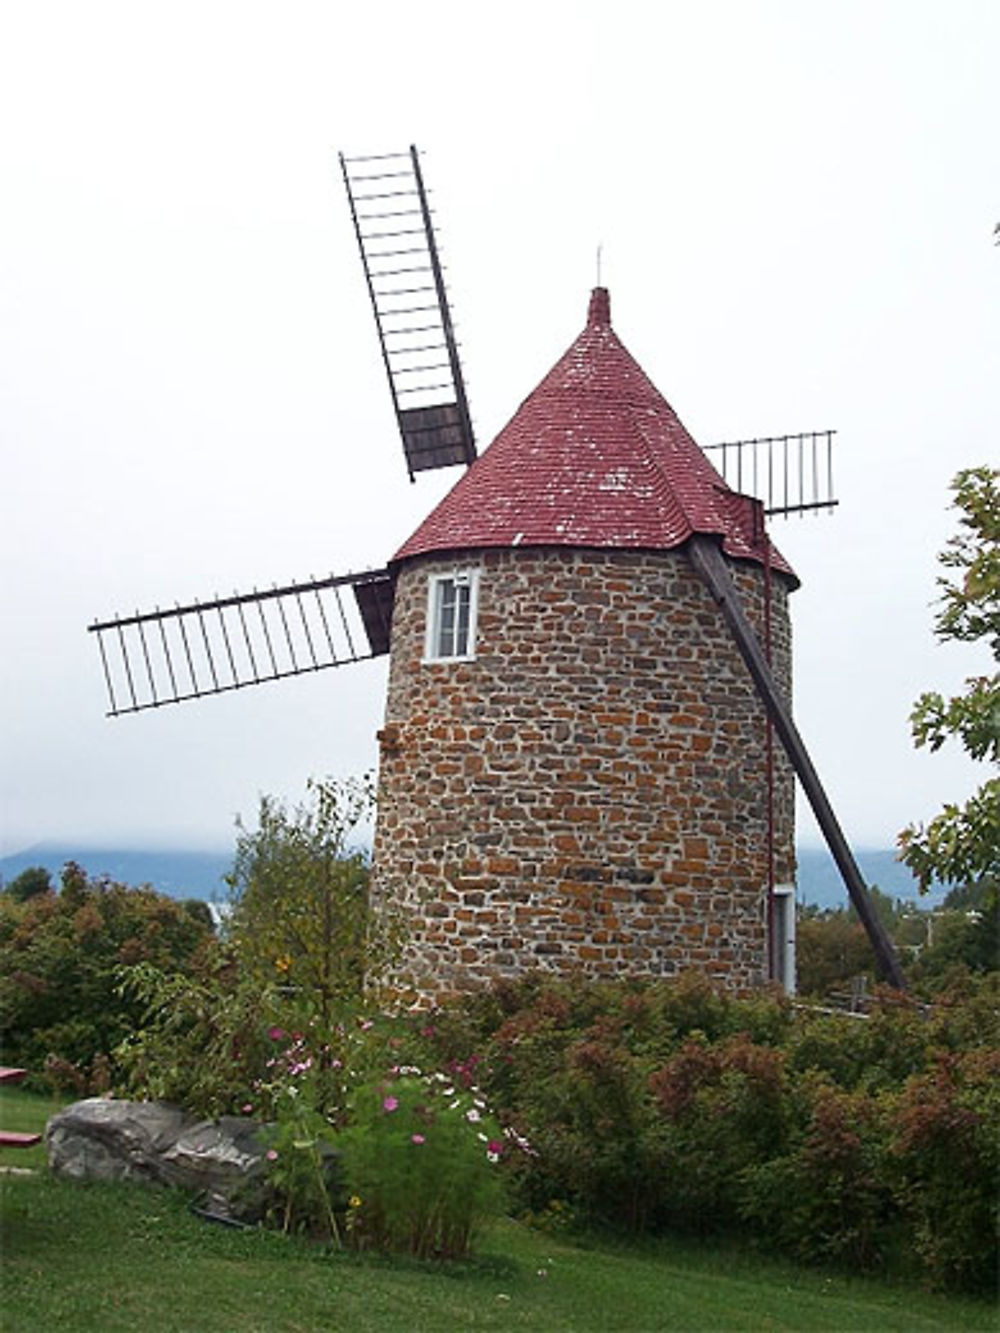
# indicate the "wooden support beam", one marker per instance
pixel 709 562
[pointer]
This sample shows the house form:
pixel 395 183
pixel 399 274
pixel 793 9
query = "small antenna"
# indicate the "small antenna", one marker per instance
pixel 600 247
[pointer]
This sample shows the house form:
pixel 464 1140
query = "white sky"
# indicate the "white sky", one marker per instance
pixel 795 202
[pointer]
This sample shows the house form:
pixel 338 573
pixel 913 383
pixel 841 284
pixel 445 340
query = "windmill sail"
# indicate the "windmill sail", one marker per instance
pixel 392 221
pixel 186 652
pixel 789 473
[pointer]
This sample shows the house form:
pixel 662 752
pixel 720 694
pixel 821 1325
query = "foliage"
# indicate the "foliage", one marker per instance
pixel 300 913
pixel 199 1040
pixel 420 1160
pixel 946 1145
pixel 964 933
pixel 59 958
pixel 652 1106
pixel 30 882
pixel 831 949
pixel 962 843
pixel 825 1197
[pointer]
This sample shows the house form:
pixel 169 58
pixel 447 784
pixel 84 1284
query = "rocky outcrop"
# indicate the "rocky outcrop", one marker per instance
pixel 219 1160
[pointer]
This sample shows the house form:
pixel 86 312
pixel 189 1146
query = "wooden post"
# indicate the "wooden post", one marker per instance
pixel 709 562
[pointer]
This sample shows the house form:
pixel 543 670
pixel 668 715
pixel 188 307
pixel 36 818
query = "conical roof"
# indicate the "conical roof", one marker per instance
pixel 594 457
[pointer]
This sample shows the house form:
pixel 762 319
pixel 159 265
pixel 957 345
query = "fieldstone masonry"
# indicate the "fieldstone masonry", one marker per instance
pixel 590 792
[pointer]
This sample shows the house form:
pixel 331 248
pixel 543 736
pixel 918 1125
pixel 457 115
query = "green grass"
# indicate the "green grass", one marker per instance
pixel 123 1257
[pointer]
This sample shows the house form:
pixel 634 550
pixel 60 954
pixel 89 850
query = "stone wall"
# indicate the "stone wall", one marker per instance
pixel 590 791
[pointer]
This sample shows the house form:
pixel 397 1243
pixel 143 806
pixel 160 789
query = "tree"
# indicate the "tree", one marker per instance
pixel 300 916
pixel 962 843
pixel 60 960
pixel 29 883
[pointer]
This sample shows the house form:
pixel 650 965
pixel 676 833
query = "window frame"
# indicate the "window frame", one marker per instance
pixel 466 576
pixel 784 943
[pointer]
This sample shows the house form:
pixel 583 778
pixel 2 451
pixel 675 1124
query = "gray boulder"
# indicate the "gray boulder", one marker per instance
pixel 220 1160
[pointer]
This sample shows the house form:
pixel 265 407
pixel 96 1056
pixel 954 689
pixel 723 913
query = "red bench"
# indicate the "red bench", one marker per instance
pixel 12 1138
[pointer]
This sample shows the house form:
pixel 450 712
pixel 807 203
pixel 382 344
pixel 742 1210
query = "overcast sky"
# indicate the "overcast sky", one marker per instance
pixel 795 203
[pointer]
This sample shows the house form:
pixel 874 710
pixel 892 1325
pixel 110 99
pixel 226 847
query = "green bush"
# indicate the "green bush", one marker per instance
pixel 827 1197
pixel 420 1158
pixel 59 960
pixel 945 1146
pixel 654 1105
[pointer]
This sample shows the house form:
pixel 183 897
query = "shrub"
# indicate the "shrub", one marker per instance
pixel 945 1145
pixel 827 1198
pixel 420 1157
pixel 59 960
pixel 724 1108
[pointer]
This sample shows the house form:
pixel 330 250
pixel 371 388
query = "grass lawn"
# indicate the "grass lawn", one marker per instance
pixel 122 1257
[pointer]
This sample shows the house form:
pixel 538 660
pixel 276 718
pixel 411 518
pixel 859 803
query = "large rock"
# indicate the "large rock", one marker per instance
pixel 102 1139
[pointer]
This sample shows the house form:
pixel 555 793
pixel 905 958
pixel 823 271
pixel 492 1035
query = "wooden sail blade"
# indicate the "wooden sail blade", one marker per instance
pixel 790 474
pixel 186 652
pixel 399 253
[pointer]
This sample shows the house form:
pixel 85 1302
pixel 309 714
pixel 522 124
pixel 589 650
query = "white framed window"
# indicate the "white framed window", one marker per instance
pixel 784 936
pixel 452 600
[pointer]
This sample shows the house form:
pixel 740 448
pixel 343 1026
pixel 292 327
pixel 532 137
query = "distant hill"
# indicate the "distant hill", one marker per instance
pixel 185 874
pixel 820 883
pixel 178 874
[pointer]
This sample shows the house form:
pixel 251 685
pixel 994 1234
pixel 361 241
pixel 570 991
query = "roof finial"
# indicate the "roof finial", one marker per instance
pixel 599 248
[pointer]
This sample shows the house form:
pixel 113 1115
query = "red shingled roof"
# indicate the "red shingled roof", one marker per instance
pixel 594 457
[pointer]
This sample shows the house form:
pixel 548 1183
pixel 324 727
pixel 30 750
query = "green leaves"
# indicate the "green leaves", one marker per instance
pixel 962 843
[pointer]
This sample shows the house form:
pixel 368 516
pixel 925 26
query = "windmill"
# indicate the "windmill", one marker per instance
pixel 618 477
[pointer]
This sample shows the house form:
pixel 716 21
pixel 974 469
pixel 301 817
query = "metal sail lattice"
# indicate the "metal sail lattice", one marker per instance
pixel 790 474
pixel 399 252
pixel 186 652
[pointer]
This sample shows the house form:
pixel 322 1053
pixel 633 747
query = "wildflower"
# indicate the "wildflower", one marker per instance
pixel 494 1146
pixel 272 1155
pixel 366 1023
pixel 283 964
pixel 354 1201
pixel 390 1104
pixel 472 1115
pixel 246 1108
pixel 417 1138
pixel 276 1034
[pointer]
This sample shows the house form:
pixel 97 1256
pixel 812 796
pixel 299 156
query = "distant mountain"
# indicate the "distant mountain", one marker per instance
pixel 820 883
pixel 200 874
pixel 178 874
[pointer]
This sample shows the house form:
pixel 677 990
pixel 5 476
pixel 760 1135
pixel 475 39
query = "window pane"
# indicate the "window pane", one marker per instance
pixel 462 628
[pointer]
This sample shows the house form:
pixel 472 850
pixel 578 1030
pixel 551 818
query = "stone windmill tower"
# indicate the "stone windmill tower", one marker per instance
pixel 575 766
pixel 590 659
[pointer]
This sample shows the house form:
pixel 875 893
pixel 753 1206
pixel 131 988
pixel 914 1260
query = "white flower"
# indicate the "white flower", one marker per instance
pixel 473 1115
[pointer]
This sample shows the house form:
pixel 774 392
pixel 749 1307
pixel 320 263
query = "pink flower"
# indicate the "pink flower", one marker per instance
pixel 272 1155
pixel 246 1108
pixel 417 1138
pixel 390 1104
pixel 276 1034
pixel 494 1146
